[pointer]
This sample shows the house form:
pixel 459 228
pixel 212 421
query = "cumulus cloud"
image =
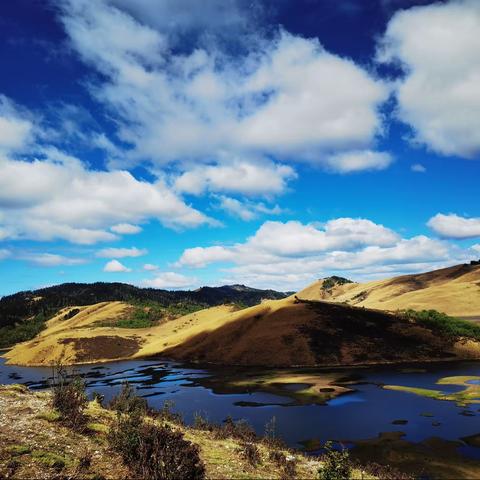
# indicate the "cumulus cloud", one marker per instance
pixel 121 252
pixel 437 46
pixel 356 161
pixel 52 260
pixel 114 266
pixel 285 96
pixel 290 255
pixel 169 280
pixel 150 267
pixel 126 229
pixel 246 210
pixel 245 177
pixel 58 197
pixel 418 168
pixel 454 226
pixel 16 129
pixel 476 247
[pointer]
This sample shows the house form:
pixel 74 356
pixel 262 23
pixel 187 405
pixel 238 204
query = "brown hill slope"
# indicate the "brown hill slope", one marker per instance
pixel 290 332
pixel 454 290
pixel 286 332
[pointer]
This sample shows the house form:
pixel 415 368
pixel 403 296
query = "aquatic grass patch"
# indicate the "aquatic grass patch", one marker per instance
pixel 470 393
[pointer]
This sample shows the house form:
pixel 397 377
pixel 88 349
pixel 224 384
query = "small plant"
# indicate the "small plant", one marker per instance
pixel 167 413
pixel 251 453
pixel 336 464
pixel 164 454
pixel 201 423
pixel 287 464
pixel 151 451
pixel 240 430
pixel 127 401
pixel 69 398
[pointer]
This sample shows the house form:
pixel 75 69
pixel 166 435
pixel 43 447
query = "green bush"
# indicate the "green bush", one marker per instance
pixel 21 332
pixel 336 464
pixel 438 322
pixel 69 398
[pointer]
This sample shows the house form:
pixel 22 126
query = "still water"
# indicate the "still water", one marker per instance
pixel 362 414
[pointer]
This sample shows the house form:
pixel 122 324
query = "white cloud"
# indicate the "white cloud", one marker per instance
pixel 294 239
pixel 121 252
pixel 16 129
pixel 126 229
pixel 149 267
pixel 437 46
pixel 418 168
pixel 476 247
pixel 114 266
pixel 57 197
pixel 454 226
pixel 356 161
pixel 286 96
pixel 169 280
pixel 245 177
pixel 291 255
pixel 52 260
pixel 202 256
pixel 246 210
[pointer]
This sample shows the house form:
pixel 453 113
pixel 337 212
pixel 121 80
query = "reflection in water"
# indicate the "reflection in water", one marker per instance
pixel 362 414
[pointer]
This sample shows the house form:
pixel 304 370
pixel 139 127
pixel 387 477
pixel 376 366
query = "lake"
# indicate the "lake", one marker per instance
pixel 359 415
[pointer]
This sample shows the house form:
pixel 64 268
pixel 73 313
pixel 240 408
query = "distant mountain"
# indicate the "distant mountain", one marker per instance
pixel 47 301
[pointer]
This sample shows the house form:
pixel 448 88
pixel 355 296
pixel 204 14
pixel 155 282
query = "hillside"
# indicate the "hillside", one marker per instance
pixel 36 444
pixel 285 332
pixel 23 314
pixel 454 291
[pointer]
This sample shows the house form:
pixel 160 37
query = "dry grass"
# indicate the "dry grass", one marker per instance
pixel 454 291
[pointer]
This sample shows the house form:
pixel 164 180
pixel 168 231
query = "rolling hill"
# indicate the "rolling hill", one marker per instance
pixel 454 291
pixel 23 314
pixel 308 329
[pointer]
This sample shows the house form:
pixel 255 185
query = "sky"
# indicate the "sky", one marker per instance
pixel 176 143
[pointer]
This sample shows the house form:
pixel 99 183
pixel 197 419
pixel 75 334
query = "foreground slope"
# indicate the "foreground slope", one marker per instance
pixel 287 332
pixel 454 291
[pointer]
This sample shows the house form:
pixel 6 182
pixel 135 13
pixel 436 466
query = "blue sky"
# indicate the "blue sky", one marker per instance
pixel 176 143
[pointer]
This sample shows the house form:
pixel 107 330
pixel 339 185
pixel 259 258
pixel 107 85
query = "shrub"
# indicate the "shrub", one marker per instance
pixel 164 454
pixel 69 398
pixel 336 464
pixel 151 451
pixel 127 401
pixel 167 413
pixel 251 453
pixel 286 464
pixel 450 327
pixel 240 430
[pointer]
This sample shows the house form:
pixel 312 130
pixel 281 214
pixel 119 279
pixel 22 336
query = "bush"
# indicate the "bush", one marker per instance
pixel 286 464
pixel 69 398
pixel 336 464
pixel 240 430
pixel 151 451
pixel 450 327
pixel 251 453
pixel 128 402
pixel 164 454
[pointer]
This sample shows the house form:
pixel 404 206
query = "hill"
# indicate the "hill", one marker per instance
pixel 286 332
pixel 454 291
pixel 23 314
